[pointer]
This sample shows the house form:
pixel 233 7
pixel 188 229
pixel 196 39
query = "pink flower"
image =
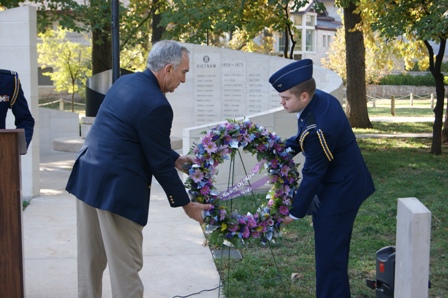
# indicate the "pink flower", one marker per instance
pixel 210 147
pixel 197 176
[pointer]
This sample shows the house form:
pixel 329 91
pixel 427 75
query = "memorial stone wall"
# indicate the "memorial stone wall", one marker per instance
pixel 228 84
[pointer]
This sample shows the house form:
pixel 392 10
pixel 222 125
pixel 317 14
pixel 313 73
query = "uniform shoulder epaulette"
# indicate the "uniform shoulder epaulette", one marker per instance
pixel 8 72
pixel 311 125
pixel 16 89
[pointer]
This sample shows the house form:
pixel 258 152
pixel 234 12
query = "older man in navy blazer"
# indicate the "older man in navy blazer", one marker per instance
pixel 128 144
pixel 335 179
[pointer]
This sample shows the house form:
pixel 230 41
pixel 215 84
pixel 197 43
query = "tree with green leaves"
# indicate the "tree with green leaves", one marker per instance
pixel 94 17
pixel 381 57
pixel 424 20
pixel 70 61
pixel 210 22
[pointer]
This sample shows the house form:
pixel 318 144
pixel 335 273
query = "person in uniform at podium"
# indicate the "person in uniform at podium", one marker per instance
pixel 335 179
pixel 12 97
pixel 128 145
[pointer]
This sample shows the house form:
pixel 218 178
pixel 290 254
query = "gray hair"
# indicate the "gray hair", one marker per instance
pixel 165 52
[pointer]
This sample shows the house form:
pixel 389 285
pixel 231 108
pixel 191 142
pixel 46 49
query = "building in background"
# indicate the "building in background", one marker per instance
pixel 317 31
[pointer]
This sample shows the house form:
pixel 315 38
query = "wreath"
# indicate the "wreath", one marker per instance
pixel 222 142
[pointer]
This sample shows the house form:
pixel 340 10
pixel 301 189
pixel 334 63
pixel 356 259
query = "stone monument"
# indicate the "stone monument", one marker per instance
pixel 18 52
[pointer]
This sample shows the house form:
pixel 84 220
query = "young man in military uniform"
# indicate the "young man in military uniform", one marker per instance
pixel 335 179
pixel 11 97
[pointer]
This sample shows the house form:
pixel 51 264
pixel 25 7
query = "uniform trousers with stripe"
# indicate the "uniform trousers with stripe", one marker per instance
pixel 105 238
pixel 332 236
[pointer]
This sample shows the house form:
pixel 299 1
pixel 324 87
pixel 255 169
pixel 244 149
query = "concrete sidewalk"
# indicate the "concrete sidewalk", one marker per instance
pixel 176 264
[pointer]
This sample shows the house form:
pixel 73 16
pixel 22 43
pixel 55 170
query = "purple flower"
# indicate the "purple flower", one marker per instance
pixel 222 214
pixel 251 223
pixel 284 210
pixel 205 190
pixel 246 232
pixel 242 221
pixel 233 227
pixel 284 170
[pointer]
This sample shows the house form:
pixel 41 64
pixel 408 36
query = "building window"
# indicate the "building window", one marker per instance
pixel 298 39
pixel 298 20
pixel 282 42
pixel 326 40
pixel 305 33
pixel 310 40
pixel 310 20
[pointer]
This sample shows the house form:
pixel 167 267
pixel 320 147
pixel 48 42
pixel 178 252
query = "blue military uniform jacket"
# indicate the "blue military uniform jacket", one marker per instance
pixel 334 169
pixel 127 145
pixel 12 97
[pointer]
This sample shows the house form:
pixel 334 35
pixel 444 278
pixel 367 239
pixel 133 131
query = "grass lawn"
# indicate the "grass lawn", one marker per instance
pixel 400 168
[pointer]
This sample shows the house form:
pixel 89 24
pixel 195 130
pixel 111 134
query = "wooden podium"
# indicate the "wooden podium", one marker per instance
pixel 12 145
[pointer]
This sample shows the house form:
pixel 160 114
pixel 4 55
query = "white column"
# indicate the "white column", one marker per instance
pixel 412 249
pixel 18 52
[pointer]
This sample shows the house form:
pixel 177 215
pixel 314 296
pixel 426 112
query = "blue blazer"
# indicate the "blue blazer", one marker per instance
pixel 12 97
pixel 127 145
pixel 334 169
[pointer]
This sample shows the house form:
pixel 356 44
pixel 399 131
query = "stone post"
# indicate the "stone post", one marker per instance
pixel 412 249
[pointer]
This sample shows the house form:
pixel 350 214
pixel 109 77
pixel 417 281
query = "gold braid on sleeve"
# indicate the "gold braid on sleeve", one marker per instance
pixel 15 94
pixel 324 145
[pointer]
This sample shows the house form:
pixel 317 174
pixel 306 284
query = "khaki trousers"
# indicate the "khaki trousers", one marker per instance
pixel 105 238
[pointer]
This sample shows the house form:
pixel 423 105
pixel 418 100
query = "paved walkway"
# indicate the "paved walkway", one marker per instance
pixel 176 264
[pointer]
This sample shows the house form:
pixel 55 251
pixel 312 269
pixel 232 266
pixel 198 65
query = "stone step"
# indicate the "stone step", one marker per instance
pixel 74 144
pixel 68 144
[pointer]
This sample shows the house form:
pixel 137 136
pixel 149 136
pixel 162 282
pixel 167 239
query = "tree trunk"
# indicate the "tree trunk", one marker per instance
pixel 445 125
pixel 436 71
pixel 356 106
pixel 285 51
pixel 436 146
pixel 157 31
pixel 101 41
pixel 101 50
